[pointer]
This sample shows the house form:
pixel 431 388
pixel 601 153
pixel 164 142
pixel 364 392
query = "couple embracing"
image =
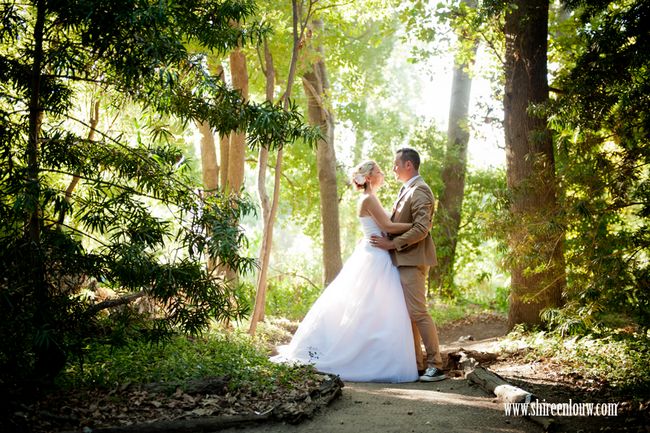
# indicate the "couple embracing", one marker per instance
pixel 367 324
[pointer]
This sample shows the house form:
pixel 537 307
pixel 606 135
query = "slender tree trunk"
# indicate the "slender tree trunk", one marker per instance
pixel 224 159
pixel 538 276
pixel 448 214
pixel 316 88
pixel 94 120
pixel 268 217
pixel 44 349
pixel 260 299
pixel 35 121
pixel 33 188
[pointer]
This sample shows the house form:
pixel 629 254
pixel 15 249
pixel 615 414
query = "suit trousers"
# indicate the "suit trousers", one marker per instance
pixel 413 280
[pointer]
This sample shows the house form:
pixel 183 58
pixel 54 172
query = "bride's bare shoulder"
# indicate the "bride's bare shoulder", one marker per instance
pixel 368 201
pixel 366 198
pixel 364 203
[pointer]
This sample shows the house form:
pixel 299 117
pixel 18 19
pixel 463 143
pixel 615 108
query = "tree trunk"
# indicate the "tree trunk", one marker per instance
pixel 46 353
pixel 316 87
pixel 209 165
pixel 268 216
pixel 210 169
pixel 448 214
pixel 224 159
pixel 234 153
pixel 237 152
pixel 94 120
pixel 221 161
pixel 33 188
pixel 260 298
pixel 33 226
pixel 537 271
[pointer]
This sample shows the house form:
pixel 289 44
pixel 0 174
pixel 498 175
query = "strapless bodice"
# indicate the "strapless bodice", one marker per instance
pixel 369 227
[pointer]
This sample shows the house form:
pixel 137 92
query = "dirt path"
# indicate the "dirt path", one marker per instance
pixel 448 406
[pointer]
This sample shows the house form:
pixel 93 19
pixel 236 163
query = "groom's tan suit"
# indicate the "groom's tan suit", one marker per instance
pixel 413 254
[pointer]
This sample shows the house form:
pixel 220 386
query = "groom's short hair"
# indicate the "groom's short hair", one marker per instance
pixel 408 154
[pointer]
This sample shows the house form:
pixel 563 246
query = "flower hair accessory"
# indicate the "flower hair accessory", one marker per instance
pixel 359 179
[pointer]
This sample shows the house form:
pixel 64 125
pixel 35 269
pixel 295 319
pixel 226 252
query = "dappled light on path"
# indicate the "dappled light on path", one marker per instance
pixel 450 406
pixel 447 397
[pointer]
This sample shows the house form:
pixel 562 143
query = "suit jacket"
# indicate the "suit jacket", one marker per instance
pixel 415 246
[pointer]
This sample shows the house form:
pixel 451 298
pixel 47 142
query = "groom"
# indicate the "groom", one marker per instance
pixel 413 252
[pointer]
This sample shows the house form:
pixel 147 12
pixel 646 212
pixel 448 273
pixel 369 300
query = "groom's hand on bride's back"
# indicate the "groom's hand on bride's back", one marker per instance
pixel 382 242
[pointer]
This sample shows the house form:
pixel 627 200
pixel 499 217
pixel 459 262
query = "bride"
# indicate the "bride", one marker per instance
pixel 359 327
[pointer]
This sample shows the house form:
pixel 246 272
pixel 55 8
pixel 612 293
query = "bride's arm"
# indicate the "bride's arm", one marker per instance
pixel 372 206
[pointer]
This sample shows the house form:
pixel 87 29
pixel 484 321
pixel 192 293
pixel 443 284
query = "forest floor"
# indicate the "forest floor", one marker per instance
pixel 452 405
pixel 456 405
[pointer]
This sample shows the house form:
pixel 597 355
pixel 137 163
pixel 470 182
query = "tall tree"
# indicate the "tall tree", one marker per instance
pixel 210 169
pixel 237 151
pixel 537 265
pixel 316 87
pixel 268 216
pixel 448 213
pixel 236 142
pixel 269 210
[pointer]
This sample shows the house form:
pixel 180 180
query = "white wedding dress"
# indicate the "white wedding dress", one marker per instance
pixel 359 327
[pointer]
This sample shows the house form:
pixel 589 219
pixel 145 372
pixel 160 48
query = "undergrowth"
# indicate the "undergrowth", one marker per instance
pixel 233 355
pixel 616 358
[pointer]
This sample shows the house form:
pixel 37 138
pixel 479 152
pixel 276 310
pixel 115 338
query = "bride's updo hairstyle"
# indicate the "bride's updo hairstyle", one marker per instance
pixel 361 172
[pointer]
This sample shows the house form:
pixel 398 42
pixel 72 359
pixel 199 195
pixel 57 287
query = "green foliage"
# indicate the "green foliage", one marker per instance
pixel 477 241
pixel 291 299
pixel 358 39
pixel 294 279
pixel 447 312
pixel 501 299
pixel 602 132
pixel 137 222
pixel 300 199
pixel 430 144
pixel 369 95
pixel 481 239
pixel 182 358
